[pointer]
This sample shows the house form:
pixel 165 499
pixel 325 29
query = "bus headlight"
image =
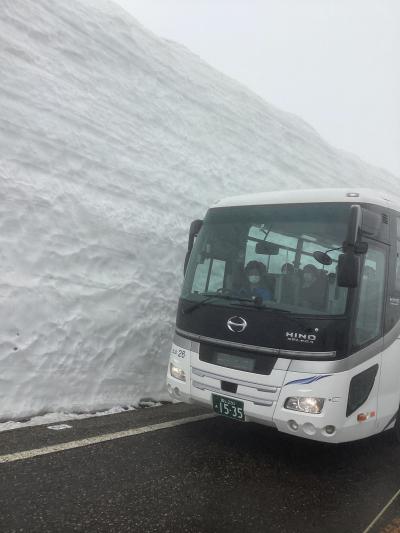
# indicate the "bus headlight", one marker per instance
pixel 305 404
pixel 177 372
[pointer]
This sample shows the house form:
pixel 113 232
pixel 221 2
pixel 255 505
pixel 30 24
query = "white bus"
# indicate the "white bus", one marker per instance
pixel 289 314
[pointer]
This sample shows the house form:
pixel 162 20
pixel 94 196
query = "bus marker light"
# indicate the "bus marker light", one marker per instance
pixel 309 429
pixel 362 417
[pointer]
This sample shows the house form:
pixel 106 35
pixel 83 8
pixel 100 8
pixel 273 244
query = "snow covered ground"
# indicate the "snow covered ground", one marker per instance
pixel 111 141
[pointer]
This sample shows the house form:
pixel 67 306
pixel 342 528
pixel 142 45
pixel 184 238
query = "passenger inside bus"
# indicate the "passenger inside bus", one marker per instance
pixel 313 288
pixel 288 284
pixel 287 268
pixel 255 281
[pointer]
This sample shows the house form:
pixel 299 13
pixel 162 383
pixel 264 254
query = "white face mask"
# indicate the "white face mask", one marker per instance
pixel 254 279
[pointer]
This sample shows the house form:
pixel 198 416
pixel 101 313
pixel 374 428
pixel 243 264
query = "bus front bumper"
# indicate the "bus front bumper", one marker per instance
pixel 330 425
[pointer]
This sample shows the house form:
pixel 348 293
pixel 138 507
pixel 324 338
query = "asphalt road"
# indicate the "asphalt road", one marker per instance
pixel 213 475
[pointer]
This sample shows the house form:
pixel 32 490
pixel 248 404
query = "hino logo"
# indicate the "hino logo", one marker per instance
pixel 301 337
pixel 237 324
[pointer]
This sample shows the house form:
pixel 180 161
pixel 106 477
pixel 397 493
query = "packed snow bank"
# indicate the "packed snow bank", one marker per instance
pixel 60 416
pixel 57 417
pixel 111 141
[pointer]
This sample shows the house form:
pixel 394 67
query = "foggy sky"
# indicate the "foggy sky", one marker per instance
pixel 335 63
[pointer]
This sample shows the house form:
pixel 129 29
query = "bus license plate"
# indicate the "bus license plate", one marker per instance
pixel 228 407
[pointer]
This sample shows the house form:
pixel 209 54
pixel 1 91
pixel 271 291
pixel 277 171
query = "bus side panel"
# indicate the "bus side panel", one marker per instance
pixel 389 386
pixel 334 388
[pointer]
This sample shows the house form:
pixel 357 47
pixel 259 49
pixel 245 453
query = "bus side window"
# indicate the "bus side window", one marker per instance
pixel 393 304
pixel 370 304
pixel 397 273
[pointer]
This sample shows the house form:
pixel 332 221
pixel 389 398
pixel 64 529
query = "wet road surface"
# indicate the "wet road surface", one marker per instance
pixel 213 475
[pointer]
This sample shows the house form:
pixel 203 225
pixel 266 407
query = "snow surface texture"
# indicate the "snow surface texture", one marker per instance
pixel 111 141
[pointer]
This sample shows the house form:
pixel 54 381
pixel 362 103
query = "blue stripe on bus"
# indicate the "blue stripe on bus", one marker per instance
pixel 307 381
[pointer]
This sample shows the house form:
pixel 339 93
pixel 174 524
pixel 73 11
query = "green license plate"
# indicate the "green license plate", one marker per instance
pixel 228 407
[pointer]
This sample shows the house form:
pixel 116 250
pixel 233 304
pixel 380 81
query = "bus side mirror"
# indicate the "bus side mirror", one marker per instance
pixel 348 273
pixel 195 228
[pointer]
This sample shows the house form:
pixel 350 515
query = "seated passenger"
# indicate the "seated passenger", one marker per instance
pixel 255 281
pixel 287 268
pixel 288 284
pixel 311 291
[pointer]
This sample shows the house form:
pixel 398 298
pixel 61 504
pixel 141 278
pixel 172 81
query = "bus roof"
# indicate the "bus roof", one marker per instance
pixel 306 196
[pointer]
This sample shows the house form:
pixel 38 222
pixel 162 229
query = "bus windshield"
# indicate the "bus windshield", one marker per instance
pixel 266 253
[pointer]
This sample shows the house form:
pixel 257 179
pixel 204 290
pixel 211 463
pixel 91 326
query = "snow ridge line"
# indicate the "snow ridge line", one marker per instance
pixel 29 454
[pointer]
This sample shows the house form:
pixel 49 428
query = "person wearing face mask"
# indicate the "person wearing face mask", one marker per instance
pixel 256 286
pixel 311 291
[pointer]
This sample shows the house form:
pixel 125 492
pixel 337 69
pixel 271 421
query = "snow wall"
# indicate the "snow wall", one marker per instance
pixel 111 141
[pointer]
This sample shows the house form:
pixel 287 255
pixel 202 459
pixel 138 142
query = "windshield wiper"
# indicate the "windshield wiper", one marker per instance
pixel 256 300
pixel 285 312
